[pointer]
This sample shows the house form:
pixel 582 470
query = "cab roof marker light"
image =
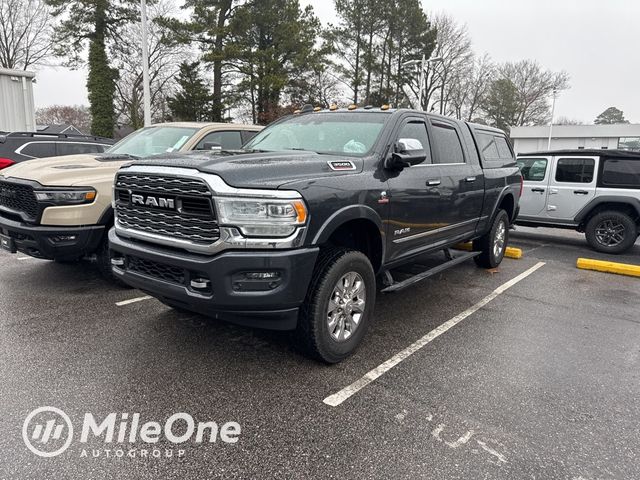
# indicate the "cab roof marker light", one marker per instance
pixel 317 109
pixel 385 107
pixel 295 112
pixel 353 106
pixel 333 107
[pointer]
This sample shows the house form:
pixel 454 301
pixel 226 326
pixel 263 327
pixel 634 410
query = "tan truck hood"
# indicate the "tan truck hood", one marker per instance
pixel 67 171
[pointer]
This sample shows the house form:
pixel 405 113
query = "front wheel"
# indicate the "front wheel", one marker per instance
pixel 611 232
pixel 493 244
pixel 339 304
pixel 103 261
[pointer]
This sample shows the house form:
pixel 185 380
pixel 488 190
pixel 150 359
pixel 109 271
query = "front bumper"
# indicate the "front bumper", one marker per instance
pixel 52 242
pixel 170 276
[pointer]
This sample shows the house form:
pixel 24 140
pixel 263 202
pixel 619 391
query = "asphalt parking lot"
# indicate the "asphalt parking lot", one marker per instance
pixel 542 381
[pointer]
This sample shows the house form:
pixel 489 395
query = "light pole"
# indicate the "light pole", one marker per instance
pixel 146 90
pixel 553 109
pixel 423 70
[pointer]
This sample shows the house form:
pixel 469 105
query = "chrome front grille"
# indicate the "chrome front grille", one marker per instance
pixel 192 219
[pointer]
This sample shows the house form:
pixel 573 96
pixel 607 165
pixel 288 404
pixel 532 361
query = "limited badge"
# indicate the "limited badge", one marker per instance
pixel 339 165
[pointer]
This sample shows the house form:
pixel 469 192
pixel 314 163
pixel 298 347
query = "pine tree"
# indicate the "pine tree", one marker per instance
pixel 193 101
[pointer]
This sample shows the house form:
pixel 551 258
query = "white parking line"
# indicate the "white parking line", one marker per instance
pixel 133 300
pixel 339 397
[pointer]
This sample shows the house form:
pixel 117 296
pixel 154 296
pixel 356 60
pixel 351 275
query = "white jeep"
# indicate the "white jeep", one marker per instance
pixel 592 191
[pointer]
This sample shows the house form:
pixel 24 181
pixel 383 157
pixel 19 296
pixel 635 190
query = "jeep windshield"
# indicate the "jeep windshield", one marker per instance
pixel 336 133
pixel 151 141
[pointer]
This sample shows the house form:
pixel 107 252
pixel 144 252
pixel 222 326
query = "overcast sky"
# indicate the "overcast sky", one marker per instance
pixel 595 41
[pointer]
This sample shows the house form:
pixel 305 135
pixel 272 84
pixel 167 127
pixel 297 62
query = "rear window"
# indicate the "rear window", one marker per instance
pixel 575 170
pixel 447 145
pixel 495 149
pixel 621 173
pixel 39 149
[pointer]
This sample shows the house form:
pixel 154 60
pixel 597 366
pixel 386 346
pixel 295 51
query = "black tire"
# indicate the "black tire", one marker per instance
pixel 103 261
pixel 611 232
pixel 313 331
pixel 489 257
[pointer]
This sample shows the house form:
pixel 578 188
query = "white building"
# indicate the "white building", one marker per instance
pixel 535 139
pixel 17 111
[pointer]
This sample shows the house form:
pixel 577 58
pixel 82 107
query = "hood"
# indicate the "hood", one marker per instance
pixel 265 169
pixel 67 171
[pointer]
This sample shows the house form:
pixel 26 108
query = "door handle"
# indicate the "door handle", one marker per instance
pixel 538 189
pixel 434 182
pixel 580 192
pixel 470 179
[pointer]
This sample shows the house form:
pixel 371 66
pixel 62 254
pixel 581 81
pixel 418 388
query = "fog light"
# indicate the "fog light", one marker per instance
pixel 261 275
pixel 200 283
pixel 63 238
pixel 117 261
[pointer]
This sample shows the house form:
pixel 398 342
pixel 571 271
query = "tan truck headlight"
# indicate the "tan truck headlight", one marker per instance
pixel 66 197
pixel 262 217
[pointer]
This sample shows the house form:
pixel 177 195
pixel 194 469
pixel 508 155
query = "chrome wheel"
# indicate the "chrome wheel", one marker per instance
pixel 610 233
pixel 346 306
pixel 499 239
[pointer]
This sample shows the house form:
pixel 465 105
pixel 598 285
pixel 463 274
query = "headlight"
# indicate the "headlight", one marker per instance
pixel 262 217
pixel 66 197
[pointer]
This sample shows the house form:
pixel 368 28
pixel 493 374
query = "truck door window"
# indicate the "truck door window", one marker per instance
pixel 448 148
pixel 575 170
pixel 533 169
pixel 230 140
pixel 414 133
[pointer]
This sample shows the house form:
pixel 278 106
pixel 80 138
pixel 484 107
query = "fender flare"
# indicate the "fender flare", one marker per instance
pixel 346 214
pixel 507 190
pixel 582 214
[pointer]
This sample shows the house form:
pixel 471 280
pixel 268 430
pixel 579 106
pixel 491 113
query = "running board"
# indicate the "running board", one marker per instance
pixel 452 261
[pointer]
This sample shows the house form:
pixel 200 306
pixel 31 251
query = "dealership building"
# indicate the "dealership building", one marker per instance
pixel 625 136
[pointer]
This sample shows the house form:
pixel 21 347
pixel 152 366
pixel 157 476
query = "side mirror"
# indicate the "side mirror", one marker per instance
pixel 408 152
pixel 211 146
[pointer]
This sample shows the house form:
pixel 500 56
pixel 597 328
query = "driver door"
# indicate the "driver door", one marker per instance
pixel 414 212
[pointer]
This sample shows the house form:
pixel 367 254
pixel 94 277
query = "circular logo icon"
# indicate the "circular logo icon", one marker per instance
pixel 47 431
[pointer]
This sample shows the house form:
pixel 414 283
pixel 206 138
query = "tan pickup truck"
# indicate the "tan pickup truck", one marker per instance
pixel 59 208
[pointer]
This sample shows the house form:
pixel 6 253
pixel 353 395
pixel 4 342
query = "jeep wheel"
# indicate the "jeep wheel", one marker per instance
pixel 611 232
pixel 103 261
pixel 493 244
pixel 339 304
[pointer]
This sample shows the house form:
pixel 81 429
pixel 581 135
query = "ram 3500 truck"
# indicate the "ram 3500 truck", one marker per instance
pixel 292 233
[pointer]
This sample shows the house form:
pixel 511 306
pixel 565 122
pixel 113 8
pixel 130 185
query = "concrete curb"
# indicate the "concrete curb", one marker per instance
pixel 510 252
pixel 609 267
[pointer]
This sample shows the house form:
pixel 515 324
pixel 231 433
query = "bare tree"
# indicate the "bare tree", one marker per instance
pixel 567 121
pixel 164 62
pixel 453 49
pixel 534 86
pixel 25 33
pixel 469 87
pixel 76 115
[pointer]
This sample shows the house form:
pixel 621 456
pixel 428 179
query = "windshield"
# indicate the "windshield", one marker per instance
pixel 153 141
pixel 348 133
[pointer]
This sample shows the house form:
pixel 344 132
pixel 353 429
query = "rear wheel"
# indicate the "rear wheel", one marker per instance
pixel 611 232
pixel 339 304
pixel 493 244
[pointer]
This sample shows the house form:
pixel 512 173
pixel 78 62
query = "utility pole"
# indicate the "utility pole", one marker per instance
pixel 553 109
pixel 146 90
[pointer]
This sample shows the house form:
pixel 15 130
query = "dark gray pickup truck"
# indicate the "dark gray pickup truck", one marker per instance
pixel 293 231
